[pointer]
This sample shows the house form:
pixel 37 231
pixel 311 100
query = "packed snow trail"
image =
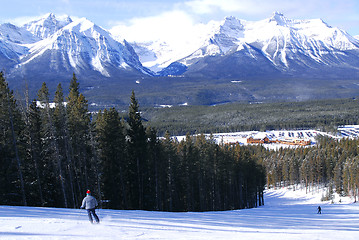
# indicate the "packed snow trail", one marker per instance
pixel 287 215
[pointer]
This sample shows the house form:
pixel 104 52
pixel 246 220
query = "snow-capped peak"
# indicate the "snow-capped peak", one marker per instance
pixel 228 35
pixel 80 25
pixel 279 19
pixel 47 25
pixel 232 26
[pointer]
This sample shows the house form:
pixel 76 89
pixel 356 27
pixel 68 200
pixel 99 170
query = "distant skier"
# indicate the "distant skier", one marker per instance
pixel 319 210
pixel 90 203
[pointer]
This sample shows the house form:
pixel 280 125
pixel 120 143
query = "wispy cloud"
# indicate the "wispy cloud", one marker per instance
pixel 166 25
pixel 211 6
pixel 261 6
pixel 19 21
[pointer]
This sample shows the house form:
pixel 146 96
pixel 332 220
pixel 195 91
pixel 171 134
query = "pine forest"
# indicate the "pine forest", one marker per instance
pixel 52 152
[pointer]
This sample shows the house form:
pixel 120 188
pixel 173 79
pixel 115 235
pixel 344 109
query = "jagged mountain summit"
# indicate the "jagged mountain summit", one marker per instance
pixel 47 25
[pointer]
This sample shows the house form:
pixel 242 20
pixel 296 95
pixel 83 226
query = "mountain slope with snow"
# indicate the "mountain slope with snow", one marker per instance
pixel 14 34
pixel 287 214
pixel 13 44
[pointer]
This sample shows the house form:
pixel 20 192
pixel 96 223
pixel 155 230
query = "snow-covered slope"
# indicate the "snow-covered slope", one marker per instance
pixel 287 214
pixel 13 44
pixel 18 35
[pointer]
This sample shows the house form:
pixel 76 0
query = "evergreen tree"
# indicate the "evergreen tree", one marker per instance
pixel 63 140
pixel 112 153
pixel 78 123
pixel 137 153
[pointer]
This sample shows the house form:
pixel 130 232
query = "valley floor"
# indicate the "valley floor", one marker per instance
pixel 287 214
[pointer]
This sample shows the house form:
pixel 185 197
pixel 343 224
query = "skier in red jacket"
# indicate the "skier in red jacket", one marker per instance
pixel 90 203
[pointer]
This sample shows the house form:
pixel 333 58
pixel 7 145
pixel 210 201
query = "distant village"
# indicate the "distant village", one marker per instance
pixel 281 138
pixel 264 138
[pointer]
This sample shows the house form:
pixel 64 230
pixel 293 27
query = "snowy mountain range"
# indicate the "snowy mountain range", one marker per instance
pixel 276 43
pixel 52 48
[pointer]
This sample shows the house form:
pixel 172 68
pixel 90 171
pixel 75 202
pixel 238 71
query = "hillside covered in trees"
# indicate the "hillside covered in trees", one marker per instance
pixel 324 114
pixel 332 163
pixel 52 152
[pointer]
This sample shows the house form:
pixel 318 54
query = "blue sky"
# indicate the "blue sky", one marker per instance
pixel 109 13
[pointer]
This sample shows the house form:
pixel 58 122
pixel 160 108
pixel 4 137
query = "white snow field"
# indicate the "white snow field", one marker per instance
pixel 287 214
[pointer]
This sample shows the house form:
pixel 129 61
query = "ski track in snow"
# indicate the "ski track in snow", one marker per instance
pixel 287 214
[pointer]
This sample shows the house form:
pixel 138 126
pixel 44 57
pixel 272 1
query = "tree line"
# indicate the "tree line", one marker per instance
pixel 51 152
pixel 325 115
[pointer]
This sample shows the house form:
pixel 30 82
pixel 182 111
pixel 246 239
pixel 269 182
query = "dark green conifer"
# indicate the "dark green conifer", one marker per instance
pixel 137 152
pixel 111 142
pixel 78 123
